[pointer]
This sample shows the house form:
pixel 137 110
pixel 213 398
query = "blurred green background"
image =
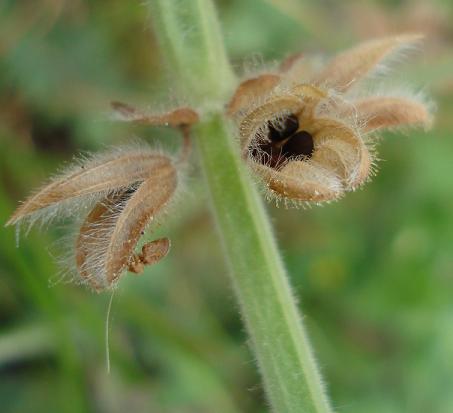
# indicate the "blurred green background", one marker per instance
pixel 374 272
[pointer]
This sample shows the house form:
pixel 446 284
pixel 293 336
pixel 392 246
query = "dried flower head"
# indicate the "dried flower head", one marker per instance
pixel 308 129
pixel 124 190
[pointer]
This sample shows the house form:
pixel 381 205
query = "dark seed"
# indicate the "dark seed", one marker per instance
pixel 284 129
pixel 299 144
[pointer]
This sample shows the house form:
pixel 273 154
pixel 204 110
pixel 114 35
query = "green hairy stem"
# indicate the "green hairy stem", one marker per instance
pixel 191 42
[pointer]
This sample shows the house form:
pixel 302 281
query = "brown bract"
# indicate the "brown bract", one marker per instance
pixel 307 130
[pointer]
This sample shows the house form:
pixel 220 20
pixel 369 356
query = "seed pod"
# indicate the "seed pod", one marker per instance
pixel 308 141
pixel 125 189
pixel 107 240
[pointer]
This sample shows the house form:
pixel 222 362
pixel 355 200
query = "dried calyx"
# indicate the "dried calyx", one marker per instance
pixel 106 244
pixel 308 134
pixel 125 190
pixel 304 130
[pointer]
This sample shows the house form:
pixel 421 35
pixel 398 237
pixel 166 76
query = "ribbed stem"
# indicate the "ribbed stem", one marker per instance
pixel 278 338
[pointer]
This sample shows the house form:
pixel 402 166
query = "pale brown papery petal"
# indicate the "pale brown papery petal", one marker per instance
pixel 348 67
pixel 101 174
pixel 341 150
pixel 89 244
pixel 250 90
pixel 303 181
pixel 105 247
pixel 388 112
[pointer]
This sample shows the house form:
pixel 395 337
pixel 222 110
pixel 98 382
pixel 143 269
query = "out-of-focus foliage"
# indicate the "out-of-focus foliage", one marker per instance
pixel 374 271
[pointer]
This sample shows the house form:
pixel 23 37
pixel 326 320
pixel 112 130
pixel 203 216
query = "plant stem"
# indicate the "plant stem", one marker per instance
pixel 278 338
pixel 191 45
pixel 279 341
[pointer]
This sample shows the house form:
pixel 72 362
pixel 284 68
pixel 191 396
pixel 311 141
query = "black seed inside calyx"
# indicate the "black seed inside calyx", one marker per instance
pixel 284 142
pixel 284 129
